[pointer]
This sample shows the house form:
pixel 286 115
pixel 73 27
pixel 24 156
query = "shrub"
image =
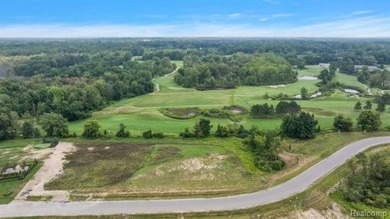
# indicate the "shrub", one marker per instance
pixel 122 132
pixel 7 193
pixel 158 135
pixel 186 134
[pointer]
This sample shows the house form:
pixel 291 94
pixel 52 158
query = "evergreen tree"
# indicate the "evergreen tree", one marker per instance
pixel 368 105
pixel 28 130
pixel 202 128
pixel 381 107
pixel 358 106
pixel 302 126
pixel 304 93
pixel 122 132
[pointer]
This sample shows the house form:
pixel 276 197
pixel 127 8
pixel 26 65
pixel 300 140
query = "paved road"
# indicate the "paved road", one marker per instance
pixel 287 189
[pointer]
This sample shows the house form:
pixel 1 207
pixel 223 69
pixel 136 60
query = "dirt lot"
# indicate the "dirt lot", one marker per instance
pixel 52 167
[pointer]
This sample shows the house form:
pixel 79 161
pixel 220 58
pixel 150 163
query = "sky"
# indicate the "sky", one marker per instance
pixel 194 18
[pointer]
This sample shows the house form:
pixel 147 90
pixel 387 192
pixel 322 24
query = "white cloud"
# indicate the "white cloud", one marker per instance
pixel 235 15
pixel 264 19
pixel 371 26
pixel 275 16
pixel 362 12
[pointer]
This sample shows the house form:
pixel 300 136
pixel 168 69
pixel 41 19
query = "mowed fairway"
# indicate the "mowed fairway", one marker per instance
pixel 142 113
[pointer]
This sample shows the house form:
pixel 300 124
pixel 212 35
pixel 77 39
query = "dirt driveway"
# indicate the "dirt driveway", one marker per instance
pixel 52 167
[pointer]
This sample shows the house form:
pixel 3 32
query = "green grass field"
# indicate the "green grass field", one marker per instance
pixel 142 113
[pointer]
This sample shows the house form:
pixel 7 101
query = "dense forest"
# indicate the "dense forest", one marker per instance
pixel 216 72
pixel 369 181
pixel 76 85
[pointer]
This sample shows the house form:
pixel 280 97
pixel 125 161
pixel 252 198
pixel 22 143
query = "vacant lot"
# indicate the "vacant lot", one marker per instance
pixel 206 167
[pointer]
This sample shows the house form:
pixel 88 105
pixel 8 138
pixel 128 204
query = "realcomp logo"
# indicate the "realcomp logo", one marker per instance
pixel 367 214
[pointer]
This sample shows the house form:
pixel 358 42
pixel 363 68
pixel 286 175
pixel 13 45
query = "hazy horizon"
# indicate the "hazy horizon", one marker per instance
pixel 194 18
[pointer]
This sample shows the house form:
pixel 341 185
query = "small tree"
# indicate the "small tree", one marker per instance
pixel 28 130
pixel 91 129
pixel 358 106
pixel 302 126
pixel 122 133
pixel 381 107
pixel 368 105
pixel 284 107
pixel 54 125
pixel 202 128
pixel 369 121
pixel 304 93
pixel 342 124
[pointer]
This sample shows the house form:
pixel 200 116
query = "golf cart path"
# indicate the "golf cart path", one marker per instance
pixel 296 185
pixel 157 86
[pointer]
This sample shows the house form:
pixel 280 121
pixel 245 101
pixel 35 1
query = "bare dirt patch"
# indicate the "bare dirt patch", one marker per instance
pixel 290 159
pixel 277 86
pixel 52 167
pixel 236 109
pixel 334 212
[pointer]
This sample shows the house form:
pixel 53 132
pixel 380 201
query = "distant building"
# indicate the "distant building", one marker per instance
pixel 324 65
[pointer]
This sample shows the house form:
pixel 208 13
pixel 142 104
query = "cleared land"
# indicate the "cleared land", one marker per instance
pixel 297 185
pixel 209 167
pixel 52 167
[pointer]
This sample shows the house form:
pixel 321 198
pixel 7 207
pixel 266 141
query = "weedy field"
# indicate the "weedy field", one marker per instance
pixel 176 167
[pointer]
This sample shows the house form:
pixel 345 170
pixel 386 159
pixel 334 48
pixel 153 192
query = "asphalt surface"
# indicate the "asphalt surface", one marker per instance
pixel 274 194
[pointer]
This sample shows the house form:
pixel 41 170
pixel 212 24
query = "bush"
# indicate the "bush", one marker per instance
pixel 158 135
pixel 342 124
pixel 186 134
pixel 149 134
pixel 122 132
pixel 7 193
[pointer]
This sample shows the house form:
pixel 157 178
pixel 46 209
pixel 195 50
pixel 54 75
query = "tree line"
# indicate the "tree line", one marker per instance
pixel 226 72
pixel 76 91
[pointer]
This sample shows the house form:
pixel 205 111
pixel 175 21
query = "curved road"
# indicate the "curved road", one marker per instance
pixel 274 194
